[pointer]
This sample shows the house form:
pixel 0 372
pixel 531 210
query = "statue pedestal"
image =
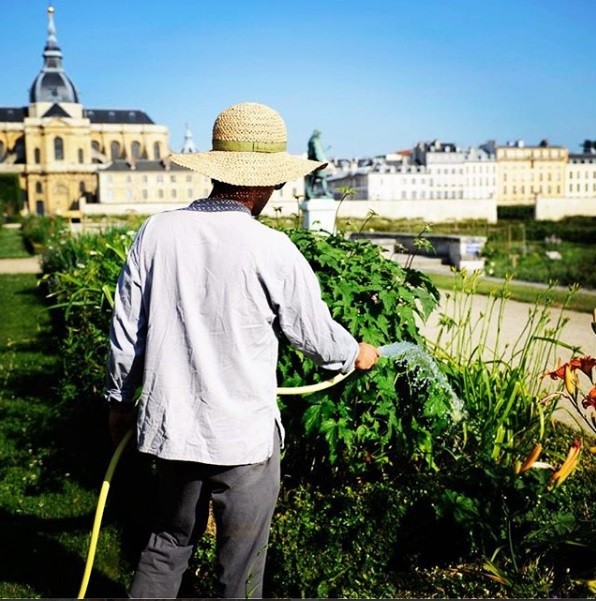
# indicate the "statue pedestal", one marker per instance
pixel 318 214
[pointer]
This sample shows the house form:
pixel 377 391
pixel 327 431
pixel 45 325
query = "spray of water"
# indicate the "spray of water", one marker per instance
pixel 424 371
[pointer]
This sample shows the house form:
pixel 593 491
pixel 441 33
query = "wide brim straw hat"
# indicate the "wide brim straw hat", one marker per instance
pixel 249 149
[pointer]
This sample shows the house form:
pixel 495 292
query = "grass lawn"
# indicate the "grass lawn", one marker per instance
pixel 584 302
pixel 11 244
pixel 47 492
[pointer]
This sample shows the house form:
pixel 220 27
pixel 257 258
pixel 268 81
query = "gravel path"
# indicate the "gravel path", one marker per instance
pixel 24 265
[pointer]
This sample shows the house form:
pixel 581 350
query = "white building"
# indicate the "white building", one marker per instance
pixel 435 172
pixel 580 176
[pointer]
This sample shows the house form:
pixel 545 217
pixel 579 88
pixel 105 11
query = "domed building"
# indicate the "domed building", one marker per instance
pixel 57 147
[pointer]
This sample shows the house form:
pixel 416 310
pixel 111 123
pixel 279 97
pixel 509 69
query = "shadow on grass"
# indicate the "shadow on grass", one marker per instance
pixel 67 442
pixel 30 556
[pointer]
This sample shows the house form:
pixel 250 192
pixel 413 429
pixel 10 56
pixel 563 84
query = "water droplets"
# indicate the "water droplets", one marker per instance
pixel 423 372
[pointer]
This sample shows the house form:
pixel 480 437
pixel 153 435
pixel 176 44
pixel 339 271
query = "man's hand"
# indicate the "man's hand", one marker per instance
pixel 120 421
pixel 367 357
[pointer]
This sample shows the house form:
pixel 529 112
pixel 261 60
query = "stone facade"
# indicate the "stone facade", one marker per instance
pixel 525 173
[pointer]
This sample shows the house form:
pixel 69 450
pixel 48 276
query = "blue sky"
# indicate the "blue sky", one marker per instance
pixel 374 76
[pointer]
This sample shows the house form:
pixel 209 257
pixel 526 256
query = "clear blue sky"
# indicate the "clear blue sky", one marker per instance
pixel 373 75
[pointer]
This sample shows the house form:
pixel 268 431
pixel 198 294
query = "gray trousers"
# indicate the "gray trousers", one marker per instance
pixel 244 498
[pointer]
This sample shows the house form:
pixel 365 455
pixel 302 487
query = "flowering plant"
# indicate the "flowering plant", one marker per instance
pixel 569 373
pixel 583 402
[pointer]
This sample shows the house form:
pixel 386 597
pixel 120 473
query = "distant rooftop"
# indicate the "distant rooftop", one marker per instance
pixel 13 115
pixel 117 116
pixel 144 165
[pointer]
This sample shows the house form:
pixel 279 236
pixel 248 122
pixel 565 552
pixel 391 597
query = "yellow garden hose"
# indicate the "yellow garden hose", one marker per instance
pixel 310 388
pixel 105 487
pixel 101 503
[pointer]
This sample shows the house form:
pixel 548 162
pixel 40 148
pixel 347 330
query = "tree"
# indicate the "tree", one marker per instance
pixel 11 197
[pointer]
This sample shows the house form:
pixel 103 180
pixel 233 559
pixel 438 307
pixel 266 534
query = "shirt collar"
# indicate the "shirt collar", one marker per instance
pixel 210 205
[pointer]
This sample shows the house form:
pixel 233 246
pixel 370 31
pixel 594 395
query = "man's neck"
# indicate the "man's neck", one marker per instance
pixel 253 197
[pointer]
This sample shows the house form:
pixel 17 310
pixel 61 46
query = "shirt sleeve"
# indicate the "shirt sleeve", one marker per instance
pixel 306 321
pixel 127 332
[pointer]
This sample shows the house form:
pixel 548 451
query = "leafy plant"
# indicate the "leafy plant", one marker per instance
pixel 37 230
pixel 365 425
pixel 80 275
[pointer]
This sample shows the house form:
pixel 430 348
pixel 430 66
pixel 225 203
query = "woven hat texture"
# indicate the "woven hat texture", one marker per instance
pixel 248 149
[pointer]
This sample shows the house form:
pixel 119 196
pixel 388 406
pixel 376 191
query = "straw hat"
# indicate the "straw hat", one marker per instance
pixel 249 149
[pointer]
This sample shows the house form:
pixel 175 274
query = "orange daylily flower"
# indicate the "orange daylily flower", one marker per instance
pixel 584 364
pixel 587 363
pixel 556 374
pixel 531 458
pixel 590 399
pixel 568 465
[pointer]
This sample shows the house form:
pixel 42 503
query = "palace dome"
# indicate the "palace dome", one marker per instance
pixel 52 84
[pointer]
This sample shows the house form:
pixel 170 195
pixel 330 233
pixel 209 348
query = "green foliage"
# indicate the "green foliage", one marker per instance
pixel 501 386
pixel 365 425
pixel 515 212
pixel 37 230
pixel 11 196
pixel 80 275
pixel 340 544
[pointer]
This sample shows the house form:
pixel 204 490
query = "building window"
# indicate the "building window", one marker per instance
pixel 39 207
pixel 145 194
pixel 38 188
pixel 189 193
pixel 160 178
pixel 37 156
pixel 160 193
pixel 173 193
pixel 81 156
pixel 172 178
pixel 145 179
pixel 156 151
pixel 135 150
pixel 58 149
pixel 115 151
pixel 82 188
pixel 189 177
pixel 95 152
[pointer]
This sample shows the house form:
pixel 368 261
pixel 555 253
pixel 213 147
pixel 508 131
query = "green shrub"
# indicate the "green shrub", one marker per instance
pixel 37 230
pixel 11 195
pixel 515 212
pixel 80 275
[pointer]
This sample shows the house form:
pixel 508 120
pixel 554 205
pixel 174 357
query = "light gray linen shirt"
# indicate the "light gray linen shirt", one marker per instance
pixel 196 310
